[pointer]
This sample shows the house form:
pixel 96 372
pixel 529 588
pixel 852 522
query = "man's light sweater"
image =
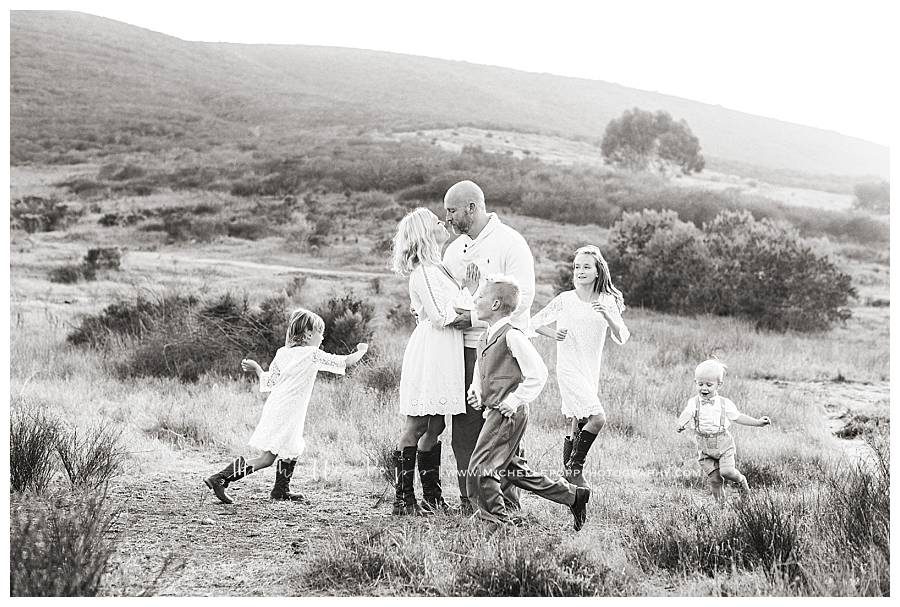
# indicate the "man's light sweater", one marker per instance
pixel 498 249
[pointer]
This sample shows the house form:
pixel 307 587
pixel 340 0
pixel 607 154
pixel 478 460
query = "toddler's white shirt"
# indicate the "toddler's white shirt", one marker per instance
pixel 714 414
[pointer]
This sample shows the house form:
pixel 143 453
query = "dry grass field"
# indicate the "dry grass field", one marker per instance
pixel 816 524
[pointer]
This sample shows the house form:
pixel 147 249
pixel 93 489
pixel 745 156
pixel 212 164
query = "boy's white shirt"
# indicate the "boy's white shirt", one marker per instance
pixel 709 414
pixel 498 249
pixel 534 371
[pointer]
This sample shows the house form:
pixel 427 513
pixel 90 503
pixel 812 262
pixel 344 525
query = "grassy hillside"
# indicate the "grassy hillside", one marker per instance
pixel 83 82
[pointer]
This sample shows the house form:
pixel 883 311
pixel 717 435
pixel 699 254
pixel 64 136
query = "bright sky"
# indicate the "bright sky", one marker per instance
pixel 824 64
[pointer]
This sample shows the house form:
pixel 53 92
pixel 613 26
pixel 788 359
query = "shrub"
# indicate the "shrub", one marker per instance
pixel 109 220
pixel 383 379
pixel 183 336
pixel 63 549
pixel 347 323
pixel 563 279
pixel 116 172
pixel 33 436
pixel 734 266
pixel 400 317
pixel 93 457
pixel 129 319
pixel 295 287
pixel 37 214
pixel 109 258
pixel 84 186
pixel 67 274
pixel 873 196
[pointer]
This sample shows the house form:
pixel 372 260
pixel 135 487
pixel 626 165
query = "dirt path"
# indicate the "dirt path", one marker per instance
pixel 137 260
pixel 255 546
pixel 844 404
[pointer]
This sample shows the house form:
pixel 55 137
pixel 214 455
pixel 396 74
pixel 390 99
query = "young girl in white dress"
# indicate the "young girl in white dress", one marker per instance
pixel 432 377
pixel 582 316
pixel 289 382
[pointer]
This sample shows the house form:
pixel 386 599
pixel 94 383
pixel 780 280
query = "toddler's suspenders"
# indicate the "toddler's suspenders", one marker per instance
pixel 697 417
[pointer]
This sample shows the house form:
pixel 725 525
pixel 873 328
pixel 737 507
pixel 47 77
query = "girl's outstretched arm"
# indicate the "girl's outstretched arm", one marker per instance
pixel 251 365
pixel 355 357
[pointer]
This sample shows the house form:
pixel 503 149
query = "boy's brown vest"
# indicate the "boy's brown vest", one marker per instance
pixel 499 372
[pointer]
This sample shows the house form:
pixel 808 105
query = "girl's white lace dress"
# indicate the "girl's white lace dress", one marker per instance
pixel 432 378
pixel 579 355
pixel 289 382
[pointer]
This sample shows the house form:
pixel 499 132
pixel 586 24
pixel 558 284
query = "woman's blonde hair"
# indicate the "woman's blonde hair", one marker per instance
pixel 603 282
pixel 301 325
pixel 414 242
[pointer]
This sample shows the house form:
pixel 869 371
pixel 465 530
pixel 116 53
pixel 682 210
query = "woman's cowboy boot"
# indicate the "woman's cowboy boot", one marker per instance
pixel 396 460
pixel 430 477
pixel 284 469
pixel 408 480
pixel 405 476
pixel 575 467
pixel 235 470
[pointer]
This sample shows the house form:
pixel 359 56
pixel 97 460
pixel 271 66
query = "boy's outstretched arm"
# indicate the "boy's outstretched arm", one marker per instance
pixel 747 420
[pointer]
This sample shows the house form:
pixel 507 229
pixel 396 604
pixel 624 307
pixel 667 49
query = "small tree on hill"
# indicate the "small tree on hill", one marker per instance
pixel 640 140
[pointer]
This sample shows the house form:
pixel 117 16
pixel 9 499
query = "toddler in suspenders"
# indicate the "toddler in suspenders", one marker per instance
pixel 712 415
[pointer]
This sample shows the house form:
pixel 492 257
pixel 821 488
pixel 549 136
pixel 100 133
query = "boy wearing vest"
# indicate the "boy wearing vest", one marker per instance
pixel 509 373
pixel 711 415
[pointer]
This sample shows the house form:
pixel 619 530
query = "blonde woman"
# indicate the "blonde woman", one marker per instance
pixel 432 378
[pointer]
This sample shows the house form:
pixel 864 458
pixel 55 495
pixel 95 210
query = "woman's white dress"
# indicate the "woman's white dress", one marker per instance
pixel 579 355
pixel 289 382
pixel 432 381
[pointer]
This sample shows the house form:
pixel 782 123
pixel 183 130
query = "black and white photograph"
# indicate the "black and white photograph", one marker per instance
pixel 468 299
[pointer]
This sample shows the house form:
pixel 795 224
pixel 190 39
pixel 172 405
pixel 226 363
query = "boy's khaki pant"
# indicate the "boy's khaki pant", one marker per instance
pixel 466 428
pixel 496 459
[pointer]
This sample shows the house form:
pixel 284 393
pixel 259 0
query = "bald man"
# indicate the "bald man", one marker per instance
pixel 495 248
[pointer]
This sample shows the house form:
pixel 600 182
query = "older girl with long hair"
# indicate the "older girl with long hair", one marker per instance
pixel 583 317
pixel 431 380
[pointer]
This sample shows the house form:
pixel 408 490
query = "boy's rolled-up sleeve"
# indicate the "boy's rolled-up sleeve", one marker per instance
pixel 534 371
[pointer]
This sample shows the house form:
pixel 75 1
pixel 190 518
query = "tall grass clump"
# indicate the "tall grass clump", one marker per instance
pixel 734 266
pixel 91 457
pixel 855 519
pixel 763 532
pixel 33 436
pixel 355 565
pixel 60 547
pixel 519 567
